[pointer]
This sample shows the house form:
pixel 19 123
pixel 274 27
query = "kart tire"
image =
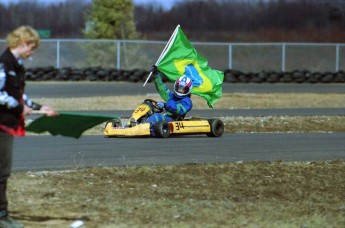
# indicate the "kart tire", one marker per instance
pixel 162 129
pixel 216 127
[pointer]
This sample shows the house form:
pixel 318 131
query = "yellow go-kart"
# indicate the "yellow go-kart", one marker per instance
pixel 136 125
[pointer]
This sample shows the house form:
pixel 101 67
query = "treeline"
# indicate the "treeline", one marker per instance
pixel 240 21
pixel 212 20
pixel 63 20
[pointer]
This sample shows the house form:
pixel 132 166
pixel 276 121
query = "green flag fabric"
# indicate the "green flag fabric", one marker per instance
pixel 70 124
pixel 181 58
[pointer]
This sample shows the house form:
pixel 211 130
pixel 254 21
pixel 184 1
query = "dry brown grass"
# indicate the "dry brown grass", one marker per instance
pixel 254 194
pixel 321 124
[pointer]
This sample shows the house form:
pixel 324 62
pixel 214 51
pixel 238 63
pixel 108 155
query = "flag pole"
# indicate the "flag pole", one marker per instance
pixel 163 52
pixel 167 46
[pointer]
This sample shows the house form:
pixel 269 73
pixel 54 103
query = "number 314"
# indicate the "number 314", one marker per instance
pixel 179 125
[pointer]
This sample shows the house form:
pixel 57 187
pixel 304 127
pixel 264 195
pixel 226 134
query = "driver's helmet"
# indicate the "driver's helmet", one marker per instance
pixel 183 86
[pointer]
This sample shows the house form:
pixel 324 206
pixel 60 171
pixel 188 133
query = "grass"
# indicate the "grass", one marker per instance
pixel 319 124
pixel 251 194
pixel 254 194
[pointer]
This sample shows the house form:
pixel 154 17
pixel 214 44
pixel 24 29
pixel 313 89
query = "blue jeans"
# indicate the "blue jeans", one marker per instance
pixel 6 151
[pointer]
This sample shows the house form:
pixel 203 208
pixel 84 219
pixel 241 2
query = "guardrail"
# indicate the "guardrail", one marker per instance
pixel 141 54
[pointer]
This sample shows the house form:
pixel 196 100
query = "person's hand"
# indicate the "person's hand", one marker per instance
pixel 27 110
pixel 161 105
pixel 154 69
pixel 48 111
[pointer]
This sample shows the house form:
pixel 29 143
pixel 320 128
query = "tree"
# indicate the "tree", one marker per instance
pixel 111 19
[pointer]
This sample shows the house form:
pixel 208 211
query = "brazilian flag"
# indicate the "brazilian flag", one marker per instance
pixel 181 58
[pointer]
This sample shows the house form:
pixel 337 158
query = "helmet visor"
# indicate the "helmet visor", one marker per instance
pixel 182 89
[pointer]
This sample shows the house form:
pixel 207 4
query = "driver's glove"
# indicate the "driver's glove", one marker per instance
pixel 154 71
pixel 161 105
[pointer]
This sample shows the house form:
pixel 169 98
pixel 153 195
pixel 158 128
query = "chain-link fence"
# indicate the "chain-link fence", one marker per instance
pixel 139 54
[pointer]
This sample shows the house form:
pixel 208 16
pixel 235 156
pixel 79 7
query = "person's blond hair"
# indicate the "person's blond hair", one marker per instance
pixel 23 34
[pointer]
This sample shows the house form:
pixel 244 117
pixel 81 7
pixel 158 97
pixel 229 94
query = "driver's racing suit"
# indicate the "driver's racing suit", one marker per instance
pixel 176 107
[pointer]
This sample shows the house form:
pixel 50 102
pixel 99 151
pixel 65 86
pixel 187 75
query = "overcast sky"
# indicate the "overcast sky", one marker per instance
pixel 165 3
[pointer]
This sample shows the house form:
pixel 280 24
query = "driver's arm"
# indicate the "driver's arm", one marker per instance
pixel 162 89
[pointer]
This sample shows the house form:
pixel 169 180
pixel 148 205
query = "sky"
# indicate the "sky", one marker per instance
pixel 167 4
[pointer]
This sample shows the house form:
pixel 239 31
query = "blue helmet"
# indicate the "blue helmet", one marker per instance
pixel 183 86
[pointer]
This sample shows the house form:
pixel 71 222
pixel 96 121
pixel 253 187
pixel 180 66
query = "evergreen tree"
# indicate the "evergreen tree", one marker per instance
pixel 111 19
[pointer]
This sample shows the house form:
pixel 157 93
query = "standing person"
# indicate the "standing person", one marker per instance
pixel 177 103
pixel 14 105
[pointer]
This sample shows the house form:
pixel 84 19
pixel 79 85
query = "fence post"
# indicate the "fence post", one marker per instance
pixel 283 57
pixel 230 56
pixel 118 65
pixel 337 58
pixel 58 54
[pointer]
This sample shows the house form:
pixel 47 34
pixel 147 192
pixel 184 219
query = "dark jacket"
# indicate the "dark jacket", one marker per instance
pixel 12 83
pixel 12 87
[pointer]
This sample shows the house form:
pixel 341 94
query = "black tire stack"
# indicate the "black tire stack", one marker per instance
pixel 140 75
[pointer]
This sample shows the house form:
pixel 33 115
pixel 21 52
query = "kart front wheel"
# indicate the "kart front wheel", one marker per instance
pixel 216 127
pixel 162 129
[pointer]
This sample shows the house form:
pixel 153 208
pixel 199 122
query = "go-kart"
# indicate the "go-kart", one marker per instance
pixel 136 125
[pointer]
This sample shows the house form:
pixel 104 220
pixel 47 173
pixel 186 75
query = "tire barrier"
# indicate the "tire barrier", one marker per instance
pixel 296 76
pixel 139 75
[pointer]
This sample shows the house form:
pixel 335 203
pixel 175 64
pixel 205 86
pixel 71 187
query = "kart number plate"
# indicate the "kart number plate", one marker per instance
pixel 140 109
pixel 179 126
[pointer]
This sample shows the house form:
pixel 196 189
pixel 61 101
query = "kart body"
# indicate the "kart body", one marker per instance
pixel 137 127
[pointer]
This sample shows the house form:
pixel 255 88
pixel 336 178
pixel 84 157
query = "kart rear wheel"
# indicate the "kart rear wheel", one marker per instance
pixel 216 127
pixel 162 129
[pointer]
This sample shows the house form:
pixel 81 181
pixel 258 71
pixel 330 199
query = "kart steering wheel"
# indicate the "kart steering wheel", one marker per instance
pixel 155 108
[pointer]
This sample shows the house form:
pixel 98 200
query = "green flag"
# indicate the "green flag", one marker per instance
pixel 181 58
pixel 70 124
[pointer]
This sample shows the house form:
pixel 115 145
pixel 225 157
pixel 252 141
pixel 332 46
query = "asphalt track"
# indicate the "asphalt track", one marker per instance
pixel 48 152
pixel 56 152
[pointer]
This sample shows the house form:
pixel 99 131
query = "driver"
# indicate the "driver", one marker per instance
pixel 176 104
